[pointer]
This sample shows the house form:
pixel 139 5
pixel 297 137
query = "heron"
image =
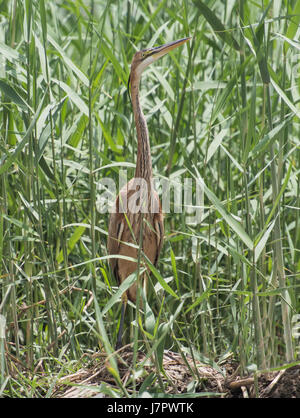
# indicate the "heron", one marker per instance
pixel 137 220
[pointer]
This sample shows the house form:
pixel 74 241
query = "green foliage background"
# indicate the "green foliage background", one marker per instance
pixel 223 109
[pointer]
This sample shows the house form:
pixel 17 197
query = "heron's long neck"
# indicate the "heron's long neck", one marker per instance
pixel 143 162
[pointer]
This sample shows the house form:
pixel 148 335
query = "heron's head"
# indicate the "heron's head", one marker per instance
pixel 145 57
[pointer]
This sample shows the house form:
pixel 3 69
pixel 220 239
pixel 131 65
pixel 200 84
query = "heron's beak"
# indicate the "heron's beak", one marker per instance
pixel 159 51
pixel 153 54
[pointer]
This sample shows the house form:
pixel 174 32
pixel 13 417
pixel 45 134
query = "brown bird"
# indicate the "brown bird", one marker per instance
pixel 138 215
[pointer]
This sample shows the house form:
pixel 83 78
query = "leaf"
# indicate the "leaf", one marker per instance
pixel 73 96
pixel 115 165
pixel 72 241
pixel 165 84
pixel 11 54
pixel 227 91
pixel 206 85
pixel 214 145
pixel 43 129
pixel 122 288
pixel 43 20
pixel 289 41
pixel 151 19
pixel 8 159
pixel 285 98
pixel 173 262
pixel 275 204
pixel 44 166
pixel 147 383
pixel 149 317
pixel 42 57
pixel 204 295
pixel 238 166
pixel 250 136
pixel 161 334
pixel 21 225
pixel 161 280
pixel 261 54
pixel 157 34
pixel 68 62
pixel 108 53
pixel 294 24
pixel 9 91
pixel 268 138
pixel 235 225
pixel 262 242
pixel 217 25
pixel 108 137
pixel 111 364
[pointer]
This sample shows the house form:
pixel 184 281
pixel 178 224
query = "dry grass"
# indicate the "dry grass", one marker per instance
pixel 177 375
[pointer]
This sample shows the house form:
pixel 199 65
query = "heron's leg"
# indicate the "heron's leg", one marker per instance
pixel 120 332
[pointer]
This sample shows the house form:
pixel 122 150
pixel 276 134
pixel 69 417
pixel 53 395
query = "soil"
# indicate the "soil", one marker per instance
pixel 181 377
pixel 288 385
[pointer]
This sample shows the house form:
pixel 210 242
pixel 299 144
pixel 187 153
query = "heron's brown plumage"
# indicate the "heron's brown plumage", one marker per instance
pixel 124 231
pixel 119 232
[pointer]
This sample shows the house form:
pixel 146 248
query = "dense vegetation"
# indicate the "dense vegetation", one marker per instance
pixel 223 110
